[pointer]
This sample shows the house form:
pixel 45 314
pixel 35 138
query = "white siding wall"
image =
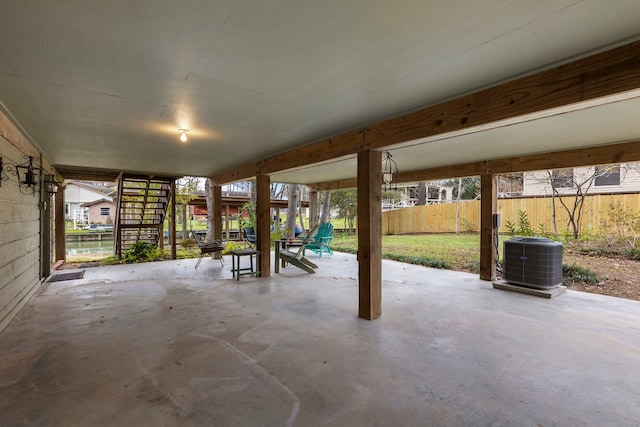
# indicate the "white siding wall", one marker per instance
pixel 76 194
pixel 537 183
pixel 19 241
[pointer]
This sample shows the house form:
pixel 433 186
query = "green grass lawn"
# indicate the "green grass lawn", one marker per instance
pixel 458 252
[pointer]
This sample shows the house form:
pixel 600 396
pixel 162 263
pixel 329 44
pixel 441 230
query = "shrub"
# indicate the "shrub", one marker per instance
pixel 231 246
pixel 543 231
pixel 418 260
pixel 622 224
pixel 141 251
pixel 522 227
pixel 633 254
pixel 188 243
pixel 469 227
pixel 573 273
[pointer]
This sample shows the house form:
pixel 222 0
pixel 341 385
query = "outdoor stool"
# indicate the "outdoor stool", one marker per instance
pixel 236 255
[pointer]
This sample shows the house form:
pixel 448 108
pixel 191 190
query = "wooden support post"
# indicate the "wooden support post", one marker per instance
pixel 226 221
pixel 172 221
pixel 217 216
pixel 488 206
pixel 45 232
pixel 369 234
pixel 60 245
pixel 263 225
pixel 313 209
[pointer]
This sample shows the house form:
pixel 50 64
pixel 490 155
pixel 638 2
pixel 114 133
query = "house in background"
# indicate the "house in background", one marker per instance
pixel 100 211
pixel 80 197
pixel 605 179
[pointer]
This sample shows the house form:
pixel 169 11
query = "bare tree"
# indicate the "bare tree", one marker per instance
pixel 185 187
pixel 208 194
pixel 458 205
pixel 510 185
pixel 300 215
pixel 292 205
pixel 569 190
pixel 326 207
pixel 252 191
pixel 277 190
pixel 422 193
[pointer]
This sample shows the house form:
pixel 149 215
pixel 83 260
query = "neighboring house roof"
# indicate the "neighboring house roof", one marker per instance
pixel 78 192
pixel 92 187
pixel 95 202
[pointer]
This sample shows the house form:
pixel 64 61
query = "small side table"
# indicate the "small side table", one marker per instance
pixel 246 271
pixel 284 244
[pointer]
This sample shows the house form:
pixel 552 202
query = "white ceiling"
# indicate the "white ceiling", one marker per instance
pixel 558 129
pixel 108 84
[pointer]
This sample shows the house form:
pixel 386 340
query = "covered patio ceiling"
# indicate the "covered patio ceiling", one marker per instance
pixel 104 87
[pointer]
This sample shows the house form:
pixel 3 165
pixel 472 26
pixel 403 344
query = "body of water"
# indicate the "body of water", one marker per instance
pixel 98 248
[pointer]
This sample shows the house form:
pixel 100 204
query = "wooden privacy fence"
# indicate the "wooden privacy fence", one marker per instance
pixel 441 218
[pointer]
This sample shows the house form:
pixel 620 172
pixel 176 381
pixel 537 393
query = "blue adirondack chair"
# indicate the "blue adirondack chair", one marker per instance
pixel 322 240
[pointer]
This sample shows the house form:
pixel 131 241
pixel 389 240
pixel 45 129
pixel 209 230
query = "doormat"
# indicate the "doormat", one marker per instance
pixel 68 275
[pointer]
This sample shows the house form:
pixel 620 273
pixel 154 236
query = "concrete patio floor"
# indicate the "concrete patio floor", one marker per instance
pixel 163 344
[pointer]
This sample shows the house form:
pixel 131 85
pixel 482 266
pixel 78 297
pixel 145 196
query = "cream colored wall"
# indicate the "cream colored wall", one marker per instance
pixel 536 183
pixel 19 227
pixel 76 194
pixel 19 240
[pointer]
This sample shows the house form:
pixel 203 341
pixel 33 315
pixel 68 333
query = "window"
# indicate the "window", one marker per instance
pixel 562 178
pixel 104 211
pixel 607 175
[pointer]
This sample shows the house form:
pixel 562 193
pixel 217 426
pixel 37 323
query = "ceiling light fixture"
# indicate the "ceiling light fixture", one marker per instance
pixel 183 134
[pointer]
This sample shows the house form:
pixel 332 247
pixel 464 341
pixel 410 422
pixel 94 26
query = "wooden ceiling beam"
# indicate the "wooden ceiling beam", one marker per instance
pixel 601 155
pixel 600 75
pixel 96 174
pixel 318 152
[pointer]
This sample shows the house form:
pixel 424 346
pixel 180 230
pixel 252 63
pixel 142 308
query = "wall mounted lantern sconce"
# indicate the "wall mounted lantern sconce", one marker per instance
pixel 389 169
pixel 27 176
pixel 51 185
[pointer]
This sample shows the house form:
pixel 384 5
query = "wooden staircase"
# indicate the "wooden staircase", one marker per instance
pixel 141 210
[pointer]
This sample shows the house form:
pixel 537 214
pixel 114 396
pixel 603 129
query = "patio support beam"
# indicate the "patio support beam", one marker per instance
pixel 226 221
pixel 263 236
pixel 488 207
pixel 60 245
pixel 369 234
pixel 172 222
pixel 598 76
pixel 600 155
pixel 216 191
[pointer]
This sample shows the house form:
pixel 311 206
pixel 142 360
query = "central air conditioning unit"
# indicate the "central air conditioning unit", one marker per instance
pixel 533 262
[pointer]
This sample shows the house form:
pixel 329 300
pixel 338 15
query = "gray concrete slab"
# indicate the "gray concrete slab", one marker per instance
pixel 166 344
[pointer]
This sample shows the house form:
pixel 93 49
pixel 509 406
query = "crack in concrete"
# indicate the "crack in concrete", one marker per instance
pixel 263 372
